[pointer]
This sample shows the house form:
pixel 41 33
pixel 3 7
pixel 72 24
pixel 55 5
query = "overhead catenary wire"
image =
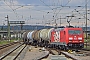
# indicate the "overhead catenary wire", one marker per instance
pixel 55 8
pixel 62 7
pixel 78 11
pixel 60 10
pixel 55 14
pixel 82 8
pixel 12 10
pixel 46 4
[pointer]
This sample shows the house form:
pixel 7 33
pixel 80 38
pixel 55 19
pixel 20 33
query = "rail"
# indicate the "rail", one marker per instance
pixel 7 45
pixel 11 52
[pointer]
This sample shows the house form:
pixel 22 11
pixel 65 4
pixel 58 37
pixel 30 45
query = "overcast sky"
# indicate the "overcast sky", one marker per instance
pixel 45 12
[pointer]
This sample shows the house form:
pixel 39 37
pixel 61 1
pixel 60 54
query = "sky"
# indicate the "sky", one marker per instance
pixel 45 12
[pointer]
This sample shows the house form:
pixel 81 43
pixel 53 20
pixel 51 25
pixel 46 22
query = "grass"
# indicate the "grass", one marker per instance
pixel 88 41
pixel 2 42
pixel 88 47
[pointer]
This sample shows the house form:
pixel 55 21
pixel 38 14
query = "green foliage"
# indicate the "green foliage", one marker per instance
pixel 3 42
pixel 88 47
pixel 6 41
pixel 88 36
pixel 88 40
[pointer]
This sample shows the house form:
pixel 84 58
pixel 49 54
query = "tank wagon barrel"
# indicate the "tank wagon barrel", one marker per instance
pixel 45 34
pixel 29 36
pixel 24 36
pixel 35 35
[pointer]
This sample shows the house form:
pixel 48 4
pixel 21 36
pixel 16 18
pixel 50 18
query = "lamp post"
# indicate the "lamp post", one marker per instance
pixel 86 21
pixel 55 21
pixel 8 30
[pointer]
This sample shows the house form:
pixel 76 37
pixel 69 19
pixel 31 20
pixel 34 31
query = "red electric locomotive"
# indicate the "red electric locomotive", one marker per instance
pixel 67 38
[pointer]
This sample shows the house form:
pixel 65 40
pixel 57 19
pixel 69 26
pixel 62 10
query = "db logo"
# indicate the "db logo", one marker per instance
pixel 57 36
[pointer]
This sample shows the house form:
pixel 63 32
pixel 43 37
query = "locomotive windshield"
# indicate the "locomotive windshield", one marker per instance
pixel 74 32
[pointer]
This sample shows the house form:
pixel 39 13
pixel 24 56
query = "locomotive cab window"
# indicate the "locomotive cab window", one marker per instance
pixel 74 31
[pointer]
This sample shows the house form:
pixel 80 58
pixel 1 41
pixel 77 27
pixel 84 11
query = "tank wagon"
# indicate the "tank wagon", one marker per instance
pixel 62 38
pixel 24 37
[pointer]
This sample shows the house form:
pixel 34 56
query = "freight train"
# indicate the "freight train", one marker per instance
pixel 61 38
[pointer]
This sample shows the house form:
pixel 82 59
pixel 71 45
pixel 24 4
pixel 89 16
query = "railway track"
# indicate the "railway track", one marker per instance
pixel 54 51
pixel 77 55
pixel 54 54
pixel 13 54
pixel 84 52
pixel 7 45
pixel 59 54
pixel 5 48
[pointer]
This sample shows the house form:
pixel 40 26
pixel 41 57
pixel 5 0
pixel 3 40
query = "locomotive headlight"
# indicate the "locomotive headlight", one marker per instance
pixel 70 38
pixel 80 41
pixel 70 41
pixel 80 38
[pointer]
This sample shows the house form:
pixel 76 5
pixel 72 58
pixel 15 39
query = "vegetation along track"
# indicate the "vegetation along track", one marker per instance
pixel 12 55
